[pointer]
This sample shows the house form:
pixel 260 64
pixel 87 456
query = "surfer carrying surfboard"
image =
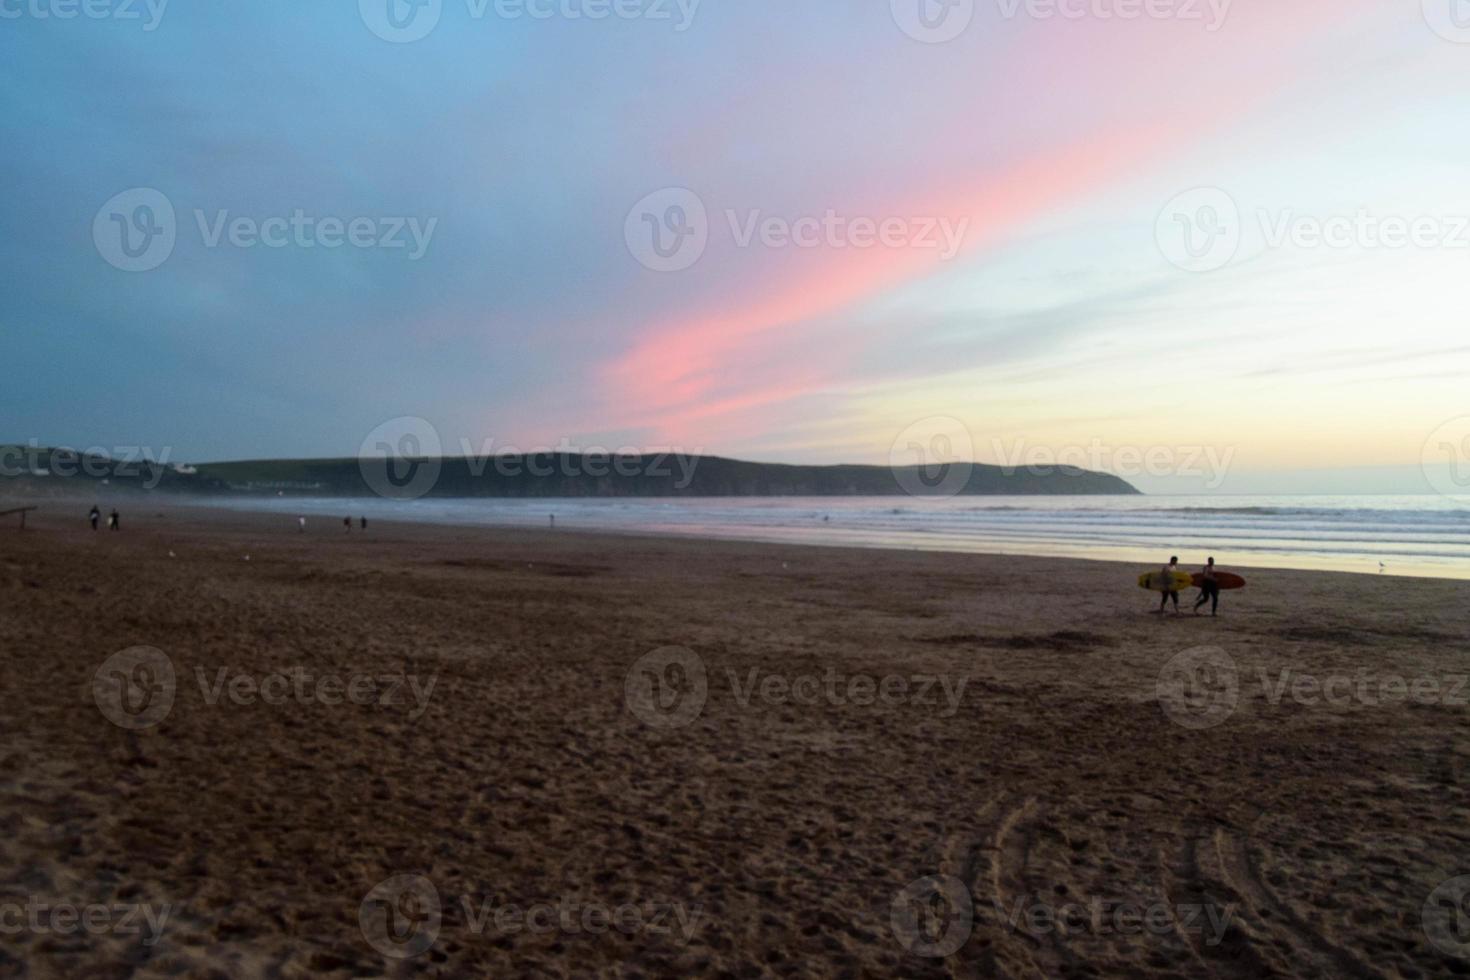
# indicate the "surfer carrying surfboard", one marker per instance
pixel 1168 574
pixel 1209 589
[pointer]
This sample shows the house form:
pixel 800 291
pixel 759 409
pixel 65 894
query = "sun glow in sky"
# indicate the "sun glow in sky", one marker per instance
pixel 770 231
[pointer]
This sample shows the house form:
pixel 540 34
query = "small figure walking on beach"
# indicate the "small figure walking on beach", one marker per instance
pixel 301 525
pixel 553 522
pixel 95 517
pixel 1209 590
pixel 363 523
pixel 113 520
pixel 347 524
pixel 1168 573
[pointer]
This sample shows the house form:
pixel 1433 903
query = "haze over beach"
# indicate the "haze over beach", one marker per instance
pixel 681 488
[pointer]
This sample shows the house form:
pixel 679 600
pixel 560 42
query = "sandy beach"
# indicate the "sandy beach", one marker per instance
pixel 232 749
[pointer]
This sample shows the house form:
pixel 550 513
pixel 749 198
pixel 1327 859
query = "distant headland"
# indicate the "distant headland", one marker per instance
pixel 31 471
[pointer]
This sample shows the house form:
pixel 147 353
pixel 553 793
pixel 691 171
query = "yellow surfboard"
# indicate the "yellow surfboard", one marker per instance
pixel 1158 582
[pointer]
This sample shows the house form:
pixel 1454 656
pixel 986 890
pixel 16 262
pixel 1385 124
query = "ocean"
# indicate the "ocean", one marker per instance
pixel 1390 535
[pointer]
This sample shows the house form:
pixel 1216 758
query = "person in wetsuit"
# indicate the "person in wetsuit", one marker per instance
pixel 1209 591
pixel 1168 572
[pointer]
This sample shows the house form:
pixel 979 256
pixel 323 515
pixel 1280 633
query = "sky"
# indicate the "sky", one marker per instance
pixel 1229 239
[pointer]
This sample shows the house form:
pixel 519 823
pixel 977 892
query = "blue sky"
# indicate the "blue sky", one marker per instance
pixel 1056 153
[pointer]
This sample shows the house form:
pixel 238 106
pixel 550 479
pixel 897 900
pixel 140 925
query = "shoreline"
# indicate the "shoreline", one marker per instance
pixel 917 541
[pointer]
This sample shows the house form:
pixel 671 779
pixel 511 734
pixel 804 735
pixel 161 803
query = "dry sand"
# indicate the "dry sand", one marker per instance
pixel 1039 761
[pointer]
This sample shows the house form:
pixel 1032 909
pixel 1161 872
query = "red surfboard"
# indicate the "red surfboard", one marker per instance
pixel 1225 580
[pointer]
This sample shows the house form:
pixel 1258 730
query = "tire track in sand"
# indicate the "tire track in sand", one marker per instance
pixel 1224 865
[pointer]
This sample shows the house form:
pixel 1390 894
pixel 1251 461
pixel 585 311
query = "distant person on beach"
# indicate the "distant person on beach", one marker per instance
pixel 300 525
pixel 1168 573
pixel 113 520
pixel 553 520
pixel 363 522
pixel 95 517
pixel 347 524
pixel 1210 590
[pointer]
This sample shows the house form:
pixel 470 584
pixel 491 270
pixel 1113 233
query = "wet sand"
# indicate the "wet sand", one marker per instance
pixel 244 751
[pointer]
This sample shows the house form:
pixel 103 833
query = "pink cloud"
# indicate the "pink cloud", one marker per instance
pixel 1161 96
